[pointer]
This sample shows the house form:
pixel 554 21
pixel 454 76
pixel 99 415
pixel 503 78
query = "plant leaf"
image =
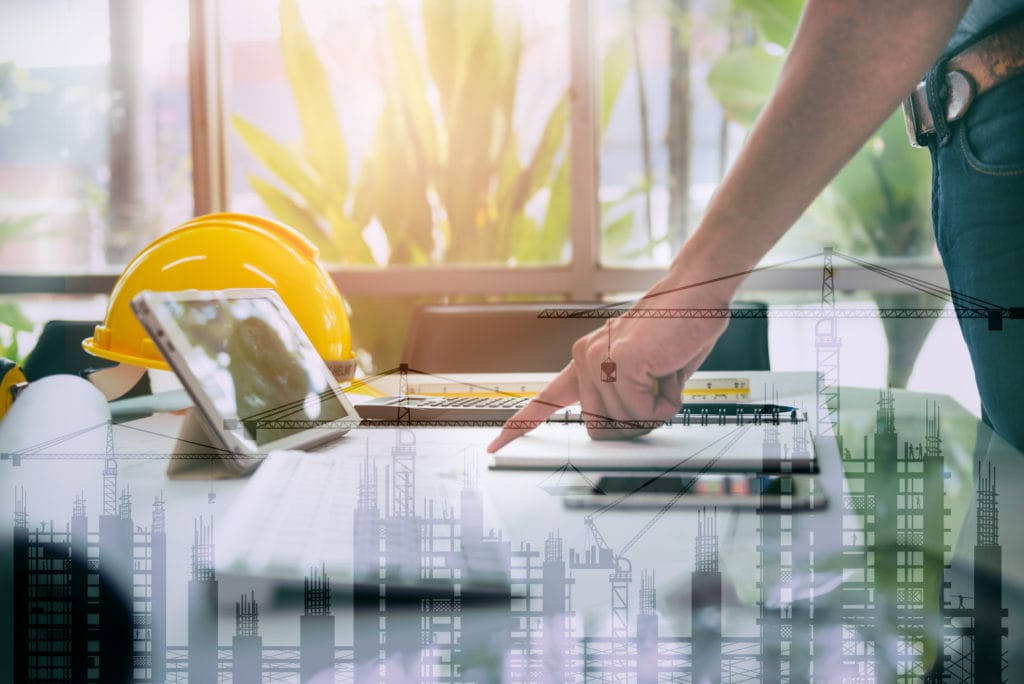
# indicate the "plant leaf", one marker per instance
pixel 614 68
pixel 524 234
pixel 555 228
pixel 289 212
pixel 323 140
pixel 469 167
pixel 472 21
pixel 284 163
pixel 885 186
pixel 777 19
pixel 22 228
pixel 13 317
pixel 439 34
pixel 616 234
pixel 408 89
pixel 391 185
pixel 550 144
pixel 647 249
pixel 510 40
pixel 742 81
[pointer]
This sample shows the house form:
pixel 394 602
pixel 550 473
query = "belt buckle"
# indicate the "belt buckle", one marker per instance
pixel 960 91
pixel 910 119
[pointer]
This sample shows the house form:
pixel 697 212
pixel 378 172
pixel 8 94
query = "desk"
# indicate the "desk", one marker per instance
pixel 860 589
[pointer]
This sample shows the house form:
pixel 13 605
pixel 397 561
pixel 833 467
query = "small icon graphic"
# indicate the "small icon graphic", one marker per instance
pixel 609 369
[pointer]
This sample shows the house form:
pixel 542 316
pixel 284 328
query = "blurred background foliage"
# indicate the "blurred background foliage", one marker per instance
pixel 879 203
pixel 445 178
pixel 15 88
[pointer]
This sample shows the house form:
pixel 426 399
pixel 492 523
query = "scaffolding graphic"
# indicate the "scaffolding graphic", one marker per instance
pixel 91 605
pixel 974 635
pixel 453 628
pixel 247 644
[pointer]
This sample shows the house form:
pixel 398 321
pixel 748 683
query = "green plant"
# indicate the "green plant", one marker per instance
pixel 444 176
pixel 877 205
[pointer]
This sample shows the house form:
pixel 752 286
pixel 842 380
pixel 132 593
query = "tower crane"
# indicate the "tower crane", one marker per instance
pixel 966 306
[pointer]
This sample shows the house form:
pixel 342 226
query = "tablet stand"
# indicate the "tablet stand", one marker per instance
pixel 196 456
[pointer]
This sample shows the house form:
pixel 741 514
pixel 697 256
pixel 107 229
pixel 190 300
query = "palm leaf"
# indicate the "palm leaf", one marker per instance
pixel 283 162
pixel 537 175
pixel 555 228
pixel 439 41
pixel 469 166
pixel 289 212
pixel 323 140
pixel 408 88
pixel 397 193
pixel 614 68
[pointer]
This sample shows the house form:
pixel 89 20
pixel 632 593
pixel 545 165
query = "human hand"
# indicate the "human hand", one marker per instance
pixel 653 357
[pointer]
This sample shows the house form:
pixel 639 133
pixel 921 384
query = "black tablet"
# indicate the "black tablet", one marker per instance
pixel 252 372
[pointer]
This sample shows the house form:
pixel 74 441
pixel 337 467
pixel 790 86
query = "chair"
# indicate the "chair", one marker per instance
pixel 503 338
pixel 59 350
pixel 492 338
pixel 744 344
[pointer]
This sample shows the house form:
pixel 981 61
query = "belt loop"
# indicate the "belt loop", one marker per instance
pixel 937 92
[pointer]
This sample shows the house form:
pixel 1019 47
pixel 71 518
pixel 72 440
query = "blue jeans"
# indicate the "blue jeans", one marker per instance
pixel 978 215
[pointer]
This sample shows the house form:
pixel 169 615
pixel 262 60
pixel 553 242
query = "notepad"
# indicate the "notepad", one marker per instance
pixel 763 448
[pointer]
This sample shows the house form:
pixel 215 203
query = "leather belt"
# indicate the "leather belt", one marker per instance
pixel 995 58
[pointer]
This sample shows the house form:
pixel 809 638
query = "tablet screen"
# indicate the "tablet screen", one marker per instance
pixel 255 365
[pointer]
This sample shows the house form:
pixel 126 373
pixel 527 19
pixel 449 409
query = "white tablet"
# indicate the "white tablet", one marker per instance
pixel 252 372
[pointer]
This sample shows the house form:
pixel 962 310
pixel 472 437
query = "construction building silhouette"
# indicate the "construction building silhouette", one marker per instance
pixel 90 605
pixel 439 596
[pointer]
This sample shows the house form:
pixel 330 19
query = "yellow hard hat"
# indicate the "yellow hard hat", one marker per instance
pixel 11 377
pixel 221 251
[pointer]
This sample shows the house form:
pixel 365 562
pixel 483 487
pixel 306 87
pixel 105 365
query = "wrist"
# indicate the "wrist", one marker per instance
pixel 720 254
pixel 697 273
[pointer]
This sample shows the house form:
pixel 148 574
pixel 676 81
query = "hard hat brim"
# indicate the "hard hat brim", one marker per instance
pixel 89 345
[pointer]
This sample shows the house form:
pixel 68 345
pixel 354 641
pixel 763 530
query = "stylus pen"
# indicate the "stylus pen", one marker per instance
pixel 707 412
pixel 714 409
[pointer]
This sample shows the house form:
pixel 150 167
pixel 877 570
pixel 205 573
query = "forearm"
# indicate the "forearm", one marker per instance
pixel 849 66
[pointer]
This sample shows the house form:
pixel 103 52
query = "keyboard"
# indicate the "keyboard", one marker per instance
pixel 423 408
pixel 276 527
pixel 303 510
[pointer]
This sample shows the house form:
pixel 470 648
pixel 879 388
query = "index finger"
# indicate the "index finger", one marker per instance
pixel 560 393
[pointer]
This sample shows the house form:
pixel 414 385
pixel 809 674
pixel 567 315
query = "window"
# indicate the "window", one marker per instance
pixel 95 154
pixel 94 131
pixel 98 155
pixel 68 94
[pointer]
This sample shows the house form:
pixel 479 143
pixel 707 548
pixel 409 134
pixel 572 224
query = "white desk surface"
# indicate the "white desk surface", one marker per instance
pixel 527 514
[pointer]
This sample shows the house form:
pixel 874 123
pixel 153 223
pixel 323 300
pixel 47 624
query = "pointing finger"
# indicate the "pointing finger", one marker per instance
pixel 560 393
